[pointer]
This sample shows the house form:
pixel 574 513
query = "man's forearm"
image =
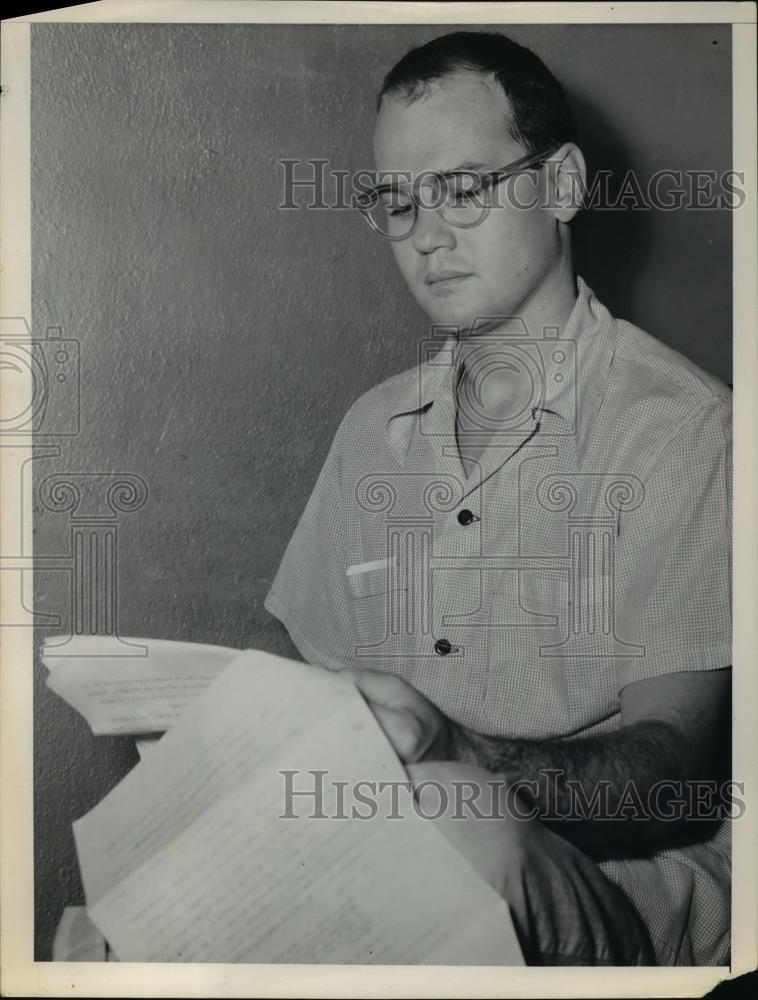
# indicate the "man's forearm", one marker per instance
pixel 608 794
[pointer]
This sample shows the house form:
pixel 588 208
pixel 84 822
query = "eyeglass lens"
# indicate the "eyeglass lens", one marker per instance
pixel 460 198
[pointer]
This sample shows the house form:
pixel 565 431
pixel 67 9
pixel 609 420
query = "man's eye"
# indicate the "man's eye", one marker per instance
pixel 467 192
pixel 396 204
pixel 466 197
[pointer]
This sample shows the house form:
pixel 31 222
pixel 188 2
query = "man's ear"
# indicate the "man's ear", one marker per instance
pixel 568 181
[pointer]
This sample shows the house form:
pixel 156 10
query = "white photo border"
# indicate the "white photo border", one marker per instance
pixel 20 974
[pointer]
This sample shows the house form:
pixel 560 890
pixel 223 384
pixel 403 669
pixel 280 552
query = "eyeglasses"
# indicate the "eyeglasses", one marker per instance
pixel 462 197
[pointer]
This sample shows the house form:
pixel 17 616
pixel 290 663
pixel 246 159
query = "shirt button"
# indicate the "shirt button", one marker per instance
pixel 443 647
pixel 465 517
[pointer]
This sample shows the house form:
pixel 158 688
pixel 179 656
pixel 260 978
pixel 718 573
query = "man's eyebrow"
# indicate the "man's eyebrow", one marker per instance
pixel 392 175
pixel 467 165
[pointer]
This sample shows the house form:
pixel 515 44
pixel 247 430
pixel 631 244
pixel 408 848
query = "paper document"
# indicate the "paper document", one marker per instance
pixel 145 746
pixel 201 855
pixel 77 939
pixel 128 695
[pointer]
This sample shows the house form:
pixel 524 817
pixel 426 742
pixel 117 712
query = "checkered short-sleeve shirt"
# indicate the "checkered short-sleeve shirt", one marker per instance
pixel 588 549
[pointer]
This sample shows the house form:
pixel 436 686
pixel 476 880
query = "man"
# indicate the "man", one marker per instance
pixel 521 547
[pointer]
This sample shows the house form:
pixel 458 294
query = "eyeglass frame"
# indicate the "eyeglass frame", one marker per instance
pixel 527 162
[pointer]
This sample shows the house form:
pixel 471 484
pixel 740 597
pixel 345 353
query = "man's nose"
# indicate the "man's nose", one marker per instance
pixel 432 232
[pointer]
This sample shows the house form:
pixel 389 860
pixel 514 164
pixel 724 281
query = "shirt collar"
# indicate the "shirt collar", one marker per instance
pixel 576 362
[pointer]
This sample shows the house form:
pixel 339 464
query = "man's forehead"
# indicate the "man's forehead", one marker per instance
pixel 461 118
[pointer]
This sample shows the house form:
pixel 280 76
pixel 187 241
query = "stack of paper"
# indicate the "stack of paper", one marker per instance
pixel 131 686
pixel 201 855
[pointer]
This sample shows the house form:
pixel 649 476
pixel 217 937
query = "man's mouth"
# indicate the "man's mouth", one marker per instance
pixel 443 279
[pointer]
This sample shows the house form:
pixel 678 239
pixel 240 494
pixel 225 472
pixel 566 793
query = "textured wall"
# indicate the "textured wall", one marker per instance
pixel 222 340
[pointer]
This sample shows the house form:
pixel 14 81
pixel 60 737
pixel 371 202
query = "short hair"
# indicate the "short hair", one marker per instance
pixel 541 115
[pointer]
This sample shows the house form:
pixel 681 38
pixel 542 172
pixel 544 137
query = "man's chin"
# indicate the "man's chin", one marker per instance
pixel 446 314
pixel 463 316
pixel 464 324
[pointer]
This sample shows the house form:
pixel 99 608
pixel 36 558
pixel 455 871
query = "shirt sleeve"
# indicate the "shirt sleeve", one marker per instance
pixel 308 593
pixel 673 570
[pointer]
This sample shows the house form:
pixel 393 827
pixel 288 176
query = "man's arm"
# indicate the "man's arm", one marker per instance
pixel 644 777
pixel 670 742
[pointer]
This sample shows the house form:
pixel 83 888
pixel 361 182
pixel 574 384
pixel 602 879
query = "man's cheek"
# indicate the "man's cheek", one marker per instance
pixel 406 264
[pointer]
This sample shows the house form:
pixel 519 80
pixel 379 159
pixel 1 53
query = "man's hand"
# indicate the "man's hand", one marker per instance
pixel 412 724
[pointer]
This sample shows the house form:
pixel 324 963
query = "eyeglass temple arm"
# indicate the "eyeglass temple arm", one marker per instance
pixel 530 160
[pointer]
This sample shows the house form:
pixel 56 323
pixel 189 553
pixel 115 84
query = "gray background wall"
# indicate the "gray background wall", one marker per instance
pixel 222 339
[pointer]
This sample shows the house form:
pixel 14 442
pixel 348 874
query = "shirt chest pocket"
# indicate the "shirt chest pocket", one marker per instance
pixel 544 596
pixel 380 606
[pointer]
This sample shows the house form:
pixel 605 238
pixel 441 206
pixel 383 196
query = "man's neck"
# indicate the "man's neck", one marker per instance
pixel 484 355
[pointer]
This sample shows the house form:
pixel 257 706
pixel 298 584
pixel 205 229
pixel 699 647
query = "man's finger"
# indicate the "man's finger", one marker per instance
pixel 403 731
pixel 385 689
